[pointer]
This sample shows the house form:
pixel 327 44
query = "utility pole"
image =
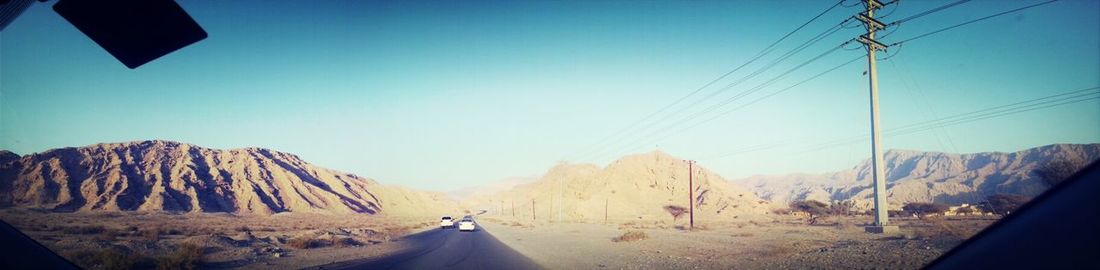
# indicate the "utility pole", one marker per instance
pixel 881 224
pixel 691 193
pixel 513 208
pixel 604 210
pixel 533 209
pixel 561 197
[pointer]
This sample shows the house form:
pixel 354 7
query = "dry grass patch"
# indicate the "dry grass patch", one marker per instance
pixel 186 256
pixel 305 242
pixel 778 249
pixel 938 228
pixel 89 229
pixel 107 259
pixel 630 236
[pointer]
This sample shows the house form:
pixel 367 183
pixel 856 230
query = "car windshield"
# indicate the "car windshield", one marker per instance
pixel 838 134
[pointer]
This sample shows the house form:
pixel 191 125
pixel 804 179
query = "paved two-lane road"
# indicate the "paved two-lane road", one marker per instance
pixel 448 249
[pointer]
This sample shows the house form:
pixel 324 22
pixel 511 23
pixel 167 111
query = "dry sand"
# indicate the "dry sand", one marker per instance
pixel 784 243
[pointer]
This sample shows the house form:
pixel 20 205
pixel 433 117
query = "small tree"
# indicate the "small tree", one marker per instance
pixel 1003 203
pixel 842 208
pixel 923 209
pixel 815 209
pixel 676 211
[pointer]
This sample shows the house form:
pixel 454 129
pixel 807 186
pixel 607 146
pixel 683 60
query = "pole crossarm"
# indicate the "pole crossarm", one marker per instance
pixel 871 43
pixel 870 22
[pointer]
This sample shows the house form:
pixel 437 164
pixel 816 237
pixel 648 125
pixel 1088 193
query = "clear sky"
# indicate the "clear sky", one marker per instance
pixel 450 94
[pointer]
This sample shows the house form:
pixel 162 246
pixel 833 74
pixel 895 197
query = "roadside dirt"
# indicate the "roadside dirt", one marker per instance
pixel 784 243
pixel 108 240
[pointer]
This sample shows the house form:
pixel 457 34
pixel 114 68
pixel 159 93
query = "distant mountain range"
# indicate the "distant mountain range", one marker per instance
pixel 490 188
pixel 635 187
pixel 914 176
pixel 179 177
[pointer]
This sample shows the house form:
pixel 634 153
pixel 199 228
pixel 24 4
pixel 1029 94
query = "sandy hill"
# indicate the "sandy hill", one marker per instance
pixel 914 176
pixel 634 187
pixel 178 177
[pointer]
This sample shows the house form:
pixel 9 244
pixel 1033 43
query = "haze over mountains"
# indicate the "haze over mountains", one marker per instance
pixel 179 177
pixel 634 187
pixel 914 176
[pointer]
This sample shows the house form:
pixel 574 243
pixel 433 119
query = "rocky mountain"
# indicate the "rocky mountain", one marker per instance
pixel 7 156
pixel 178 177
pixel 914 176
pixel 632 188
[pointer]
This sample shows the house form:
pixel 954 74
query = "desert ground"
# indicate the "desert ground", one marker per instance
pixel 113 240
pixel 786 242
pixel 120 240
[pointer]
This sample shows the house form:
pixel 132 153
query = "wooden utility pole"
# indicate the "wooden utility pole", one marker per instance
pixel 605 211
pixel 513 208
pixel 691 193
pixel 881 224
pixel 533 209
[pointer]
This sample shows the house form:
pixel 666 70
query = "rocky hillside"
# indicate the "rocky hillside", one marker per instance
pixel 634 187
pixel 7 156
pixel 171 176
pixel 914 176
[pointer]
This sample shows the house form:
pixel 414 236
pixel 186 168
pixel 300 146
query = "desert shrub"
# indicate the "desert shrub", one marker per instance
pixel 843 208
pixel 781 211
pixel 107 259
pixel 87 229
pixel 243 229
pixel 813 208
pixel 892 213
pixel 186 256
pixel 107 235
pixel 924 209
pixel 1003 203
pixel 151 235
pixel 630 236
pixel 305 242
pixel 676 211
pixel 965 210
pixel 345 242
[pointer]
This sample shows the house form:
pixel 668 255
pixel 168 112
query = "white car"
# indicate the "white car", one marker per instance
pixel 446 222
pixel 466 225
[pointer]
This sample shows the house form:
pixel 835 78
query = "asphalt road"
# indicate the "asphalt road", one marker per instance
pixel 448 249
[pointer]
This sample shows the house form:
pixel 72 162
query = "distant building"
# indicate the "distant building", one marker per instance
pixel 965 210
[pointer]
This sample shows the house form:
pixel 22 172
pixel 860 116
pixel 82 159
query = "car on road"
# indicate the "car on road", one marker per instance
pixel 446 222
pixel 467 224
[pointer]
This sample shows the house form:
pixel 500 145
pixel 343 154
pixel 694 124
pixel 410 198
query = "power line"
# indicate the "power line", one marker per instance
pixel 926 12
pixel 759 55
pixel 970 21
pixel 981 114
pixel 677 131
pixel 1061 99
pixel 828 32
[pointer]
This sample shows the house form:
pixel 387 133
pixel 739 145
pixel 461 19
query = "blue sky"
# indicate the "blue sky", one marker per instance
pixel 442 95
